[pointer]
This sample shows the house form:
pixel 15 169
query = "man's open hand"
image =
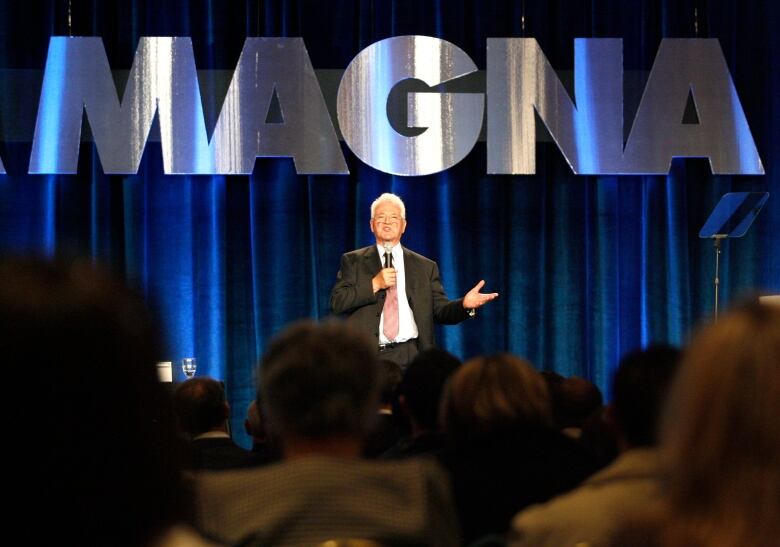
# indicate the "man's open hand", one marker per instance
pixel 475 299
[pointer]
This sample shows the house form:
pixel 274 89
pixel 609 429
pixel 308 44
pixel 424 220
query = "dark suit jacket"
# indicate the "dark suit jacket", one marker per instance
pixel 218 453
pixel 353 295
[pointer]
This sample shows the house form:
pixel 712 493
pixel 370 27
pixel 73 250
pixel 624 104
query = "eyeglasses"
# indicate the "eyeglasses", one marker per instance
pixel 382 219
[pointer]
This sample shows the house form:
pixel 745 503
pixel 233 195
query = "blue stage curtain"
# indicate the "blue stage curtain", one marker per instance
pixel 588 267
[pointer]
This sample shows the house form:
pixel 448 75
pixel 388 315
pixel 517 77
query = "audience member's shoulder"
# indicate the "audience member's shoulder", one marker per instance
pixel 570 454
pixel 233 504
pixel 323 469
pixel 181 536
pixel 424 465
pixel 219 453
pixel 593 512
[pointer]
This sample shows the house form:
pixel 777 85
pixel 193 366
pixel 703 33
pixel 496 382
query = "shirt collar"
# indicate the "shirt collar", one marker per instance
pixel 397 251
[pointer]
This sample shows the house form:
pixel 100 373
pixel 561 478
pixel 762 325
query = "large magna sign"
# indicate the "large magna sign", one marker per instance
pixel 587 128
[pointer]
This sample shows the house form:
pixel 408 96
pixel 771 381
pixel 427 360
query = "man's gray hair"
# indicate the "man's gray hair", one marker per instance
pixel 392 198
pixel 320 381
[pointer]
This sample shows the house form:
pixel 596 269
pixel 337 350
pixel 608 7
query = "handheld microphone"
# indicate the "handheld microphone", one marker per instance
pixel 388 254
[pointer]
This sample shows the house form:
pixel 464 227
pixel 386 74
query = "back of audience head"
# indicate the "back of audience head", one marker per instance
pixel 105 470
pixel 599 438
pixel 639 391
pixel 422 386
pixel 319 383
pixel 495 394
pixel 390 376
pixel 254 424
pixel 722 434
pixel 201 406
pixel 573 399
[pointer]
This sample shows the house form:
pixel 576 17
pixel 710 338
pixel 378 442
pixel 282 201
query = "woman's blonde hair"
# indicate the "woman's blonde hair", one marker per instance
pixel 489 394
pixel 722 435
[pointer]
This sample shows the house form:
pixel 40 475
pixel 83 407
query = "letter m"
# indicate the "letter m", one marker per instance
pixel 163 81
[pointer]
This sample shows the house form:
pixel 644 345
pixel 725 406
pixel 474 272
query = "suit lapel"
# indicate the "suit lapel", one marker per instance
pixel 371 261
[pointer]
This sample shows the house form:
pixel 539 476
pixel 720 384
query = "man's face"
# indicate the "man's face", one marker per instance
pixel 387 224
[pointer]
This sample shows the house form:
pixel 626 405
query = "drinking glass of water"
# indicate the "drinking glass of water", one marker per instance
pixel 188 366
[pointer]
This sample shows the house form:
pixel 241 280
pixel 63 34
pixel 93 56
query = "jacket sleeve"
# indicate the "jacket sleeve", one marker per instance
pixel 445 311
pixel 352 290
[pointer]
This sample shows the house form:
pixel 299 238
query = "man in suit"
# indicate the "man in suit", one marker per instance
pixel 203 412
pixel 395 295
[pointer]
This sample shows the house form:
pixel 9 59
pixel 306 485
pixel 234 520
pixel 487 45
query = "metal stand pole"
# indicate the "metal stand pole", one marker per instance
pixel 717 238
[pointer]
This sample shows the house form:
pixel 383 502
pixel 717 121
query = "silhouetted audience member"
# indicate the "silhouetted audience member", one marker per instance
pixel 504 452
pixel 721 435
pixel 599 438
pixel 419 399
pixel 579 413
pixel 386 430
pixel 574 400
pixel 591 514
pixel 94 436
pixel 203 413
pixel 390 377
pixel 319 385
pixel 264 450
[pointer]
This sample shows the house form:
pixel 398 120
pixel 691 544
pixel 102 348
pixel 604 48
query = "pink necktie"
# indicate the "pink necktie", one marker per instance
pixel 390 310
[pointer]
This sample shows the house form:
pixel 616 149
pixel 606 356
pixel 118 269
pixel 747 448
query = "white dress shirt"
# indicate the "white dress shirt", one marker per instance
pixel 407 328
